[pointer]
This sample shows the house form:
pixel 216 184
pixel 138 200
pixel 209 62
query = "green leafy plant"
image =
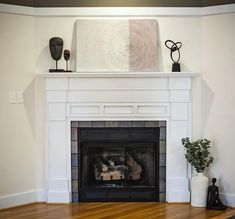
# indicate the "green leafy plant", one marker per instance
pixel 197 153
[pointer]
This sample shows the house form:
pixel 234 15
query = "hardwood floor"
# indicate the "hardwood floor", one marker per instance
pixel 109 210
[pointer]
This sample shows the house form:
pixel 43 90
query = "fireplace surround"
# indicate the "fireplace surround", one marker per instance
pixel 96 143
pixel 116 96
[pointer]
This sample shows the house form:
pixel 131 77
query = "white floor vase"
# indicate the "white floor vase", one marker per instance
pixel 199 187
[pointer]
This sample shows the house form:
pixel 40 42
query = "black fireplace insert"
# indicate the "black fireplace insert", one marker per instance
pixel 118 164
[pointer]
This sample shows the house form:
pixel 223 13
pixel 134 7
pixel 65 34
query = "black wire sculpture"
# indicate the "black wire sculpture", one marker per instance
pixel 174 47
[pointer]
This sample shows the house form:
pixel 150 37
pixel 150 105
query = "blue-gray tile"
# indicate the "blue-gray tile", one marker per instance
pixel 162 147
pixel 162 197
pixel 113 124
pixel 124 124
pixel 74 173
pixel 162 173
pixel 162 186
pixel 162 160
pixel 74 185
pixel 151 124
pixel 74 160
pixel 85 124
pixel 138 124
pixel 74 147
pixel 75 197
pixel 162 123
pixel 162 134
pixel 74 124
pixel 98 124
pixel 74 134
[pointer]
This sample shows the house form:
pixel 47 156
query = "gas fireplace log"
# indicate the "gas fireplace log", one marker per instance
pixel 111 175
pixel 134 167
pixel 100 165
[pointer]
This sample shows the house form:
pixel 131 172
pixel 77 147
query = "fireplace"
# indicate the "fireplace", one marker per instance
pixel 116 100
pixel 118 164
pixel 121 163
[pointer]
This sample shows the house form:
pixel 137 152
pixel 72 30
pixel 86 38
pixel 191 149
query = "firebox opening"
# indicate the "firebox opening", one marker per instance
pixel 114 161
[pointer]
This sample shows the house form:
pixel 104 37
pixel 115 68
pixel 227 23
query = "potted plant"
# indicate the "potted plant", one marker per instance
pixel 198 155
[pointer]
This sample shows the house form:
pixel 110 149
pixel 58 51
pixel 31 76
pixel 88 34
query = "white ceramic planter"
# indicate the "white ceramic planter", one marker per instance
pixel 199 187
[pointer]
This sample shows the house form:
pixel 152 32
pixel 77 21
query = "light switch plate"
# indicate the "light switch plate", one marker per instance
pixel 19 97
pixel 12 97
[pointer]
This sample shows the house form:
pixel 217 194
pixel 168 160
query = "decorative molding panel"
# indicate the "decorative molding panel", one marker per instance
pixel 109 109
pixel 118 96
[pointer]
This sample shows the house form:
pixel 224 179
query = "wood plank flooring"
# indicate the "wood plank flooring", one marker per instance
pixel 111 210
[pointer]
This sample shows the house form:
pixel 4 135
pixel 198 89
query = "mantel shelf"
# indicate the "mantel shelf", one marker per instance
pixel 120 75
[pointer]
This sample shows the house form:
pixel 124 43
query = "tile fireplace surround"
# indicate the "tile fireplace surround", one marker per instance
pixel 146 96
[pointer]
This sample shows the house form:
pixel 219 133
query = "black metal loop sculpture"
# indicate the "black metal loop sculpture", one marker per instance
pixel 174 47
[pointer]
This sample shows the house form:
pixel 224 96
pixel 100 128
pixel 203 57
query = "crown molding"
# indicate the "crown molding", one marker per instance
pixel 117 11
pixel 220 9
pixel 16 9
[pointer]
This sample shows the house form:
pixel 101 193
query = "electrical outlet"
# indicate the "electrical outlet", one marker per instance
pixel 12 97
pixel 19 97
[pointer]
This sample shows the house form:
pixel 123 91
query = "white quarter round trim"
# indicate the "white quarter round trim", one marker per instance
pixel 228 199
pixel 22 198
pixel 220 9
pixel 117 11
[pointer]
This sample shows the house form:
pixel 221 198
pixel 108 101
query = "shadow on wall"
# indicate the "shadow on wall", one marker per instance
pixel 29 104
pixel 207 102
pixel 72 61
pixel 159 47
pixel 44 61
pixel 34 98
pixel 41 61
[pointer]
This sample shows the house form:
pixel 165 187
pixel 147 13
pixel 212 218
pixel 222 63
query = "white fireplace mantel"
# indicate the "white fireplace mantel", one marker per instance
pixel 119 75
pixel 120 96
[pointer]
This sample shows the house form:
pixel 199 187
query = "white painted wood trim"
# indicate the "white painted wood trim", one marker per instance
pixel 220 9
pixel 15 9
pixel 22 198
pixel 40 196
pixel 120 75
pixel 117 11
pixel 228 199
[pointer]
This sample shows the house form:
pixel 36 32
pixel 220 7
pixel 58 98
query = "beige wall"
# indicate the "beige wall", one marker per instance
pixel 218 95
pixel 24 40
pixel 17 147
pixel 173 28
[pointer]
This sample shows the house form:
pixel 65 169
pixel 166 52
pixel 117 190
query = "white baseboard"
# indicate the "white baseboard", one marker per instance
pixel 17 199
pixel 41 196
pixel 22 198
pixel 58 197
pixel 178 196
pixel 228 199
